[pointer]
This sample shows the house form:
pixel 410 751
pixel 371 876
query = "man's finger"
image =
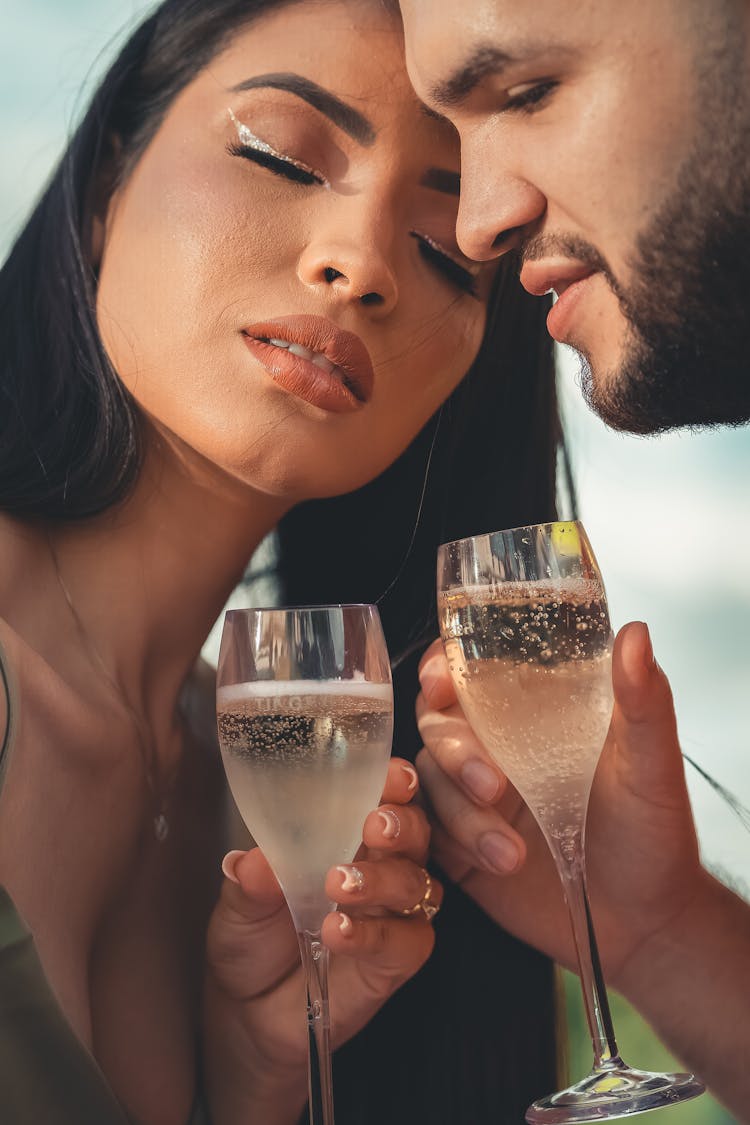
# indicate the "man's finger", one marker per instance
pixel 459 753
pixel 435 677
pixel 451 858
pixel 644 727
pixel 482 832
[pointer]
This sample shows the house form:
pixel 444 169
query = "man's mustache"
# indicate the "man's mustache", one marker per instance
pixel 571 246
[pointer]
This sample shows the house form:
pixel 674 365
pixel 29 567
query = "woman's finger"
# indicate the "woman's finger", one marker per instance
pixel 250 889
pixel 481 831
pixel 396 947
pixel 398 828
pixel 251 943
pixel 401 784
pixel 458 752
pixel 395 884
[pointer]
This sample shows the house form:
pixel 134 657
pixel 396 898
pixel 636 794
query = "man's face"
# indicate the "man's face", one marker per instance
pixel 609 144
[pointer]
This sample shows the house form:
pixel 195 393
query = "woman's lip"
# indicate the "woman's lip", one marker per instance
pixel 302 378
pixel 343 349
pixel 560 315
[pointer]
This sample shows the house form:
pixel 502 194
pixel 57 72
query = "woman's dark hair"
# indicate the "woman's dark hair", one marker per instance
pixel 69 431
pixel 471 1040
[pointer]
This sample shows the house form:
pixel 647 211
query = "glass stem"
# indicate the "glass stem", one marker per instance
pixel 320 1084
pixel 572 869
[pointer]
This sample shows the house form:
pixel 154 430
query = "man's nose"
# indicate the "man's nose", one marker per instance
pixel 497 205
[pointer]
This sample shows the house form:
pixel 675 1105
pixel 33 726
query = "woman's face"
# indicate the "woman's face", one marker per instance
pixel 296 191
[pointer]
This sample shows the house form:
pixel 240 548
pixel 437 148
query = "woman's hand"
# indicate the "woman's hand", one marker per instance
pixel 256 1034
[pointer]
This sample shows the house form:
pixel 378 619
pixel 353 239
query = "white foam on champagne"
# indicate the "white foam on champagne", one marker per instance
pixel 553 589
pixel 268 689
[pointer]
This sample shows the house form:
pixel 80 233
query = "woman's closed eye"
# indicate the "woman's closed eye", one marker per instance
pixel 255 149
pixel 445 263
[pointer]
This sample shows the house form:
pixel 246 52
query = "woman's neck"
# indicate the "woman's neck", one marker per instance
pixel 147 580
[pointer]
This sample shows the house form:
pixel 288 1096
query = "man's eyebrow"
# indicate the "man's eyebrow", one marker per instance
pixel 440 179
pixel 354 123
pixel 485 60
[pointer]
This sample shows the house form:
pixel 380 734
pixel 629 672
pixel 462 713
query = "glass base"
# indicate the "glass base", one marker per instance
pixel 613 1090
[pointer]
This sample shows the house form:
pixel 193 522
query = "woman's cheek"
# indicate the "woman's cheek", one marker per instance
pixel 451 351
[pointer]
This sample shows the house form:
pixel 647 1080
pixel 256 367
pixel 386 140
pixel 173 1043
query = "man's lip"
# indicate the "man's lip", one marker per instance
pixel 542 276
pixel 343 349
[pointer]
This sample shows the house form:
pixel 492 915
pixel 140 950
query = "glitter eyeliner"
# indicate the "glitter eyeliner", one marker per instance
pixel 248 138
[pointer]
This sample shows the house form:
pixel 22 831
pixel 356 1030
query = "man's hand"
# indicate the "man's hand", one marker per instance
pixel 671 938
pixel 642 853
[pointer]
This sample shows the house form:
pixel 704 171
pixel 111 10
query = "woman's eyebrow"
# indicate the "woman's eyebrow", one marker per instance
pixel 354 123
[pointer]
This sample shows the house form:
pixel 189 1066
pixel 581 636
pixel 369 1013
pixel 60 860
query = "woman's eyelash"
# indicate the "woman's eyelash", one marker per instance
pixel 260 152
pixel 531 99
pixel 433 253
pixel 280 165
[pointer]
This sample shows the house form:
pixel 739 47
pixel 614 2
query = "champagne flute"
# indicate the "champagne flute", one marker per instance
pixel 305 716
pixel 524 621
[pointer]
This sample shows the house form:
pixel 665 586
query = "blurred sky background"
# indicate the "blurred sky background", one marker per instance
pixel 669 518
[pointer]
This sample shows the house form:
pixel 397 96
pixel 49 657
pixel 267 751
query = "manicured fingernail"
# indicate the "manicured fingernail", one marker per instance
pixel 352 878
pixel 411 773
pixel 345 924
pixel 480 779
pixel 391 823
pixel 228 865
pixel 498 852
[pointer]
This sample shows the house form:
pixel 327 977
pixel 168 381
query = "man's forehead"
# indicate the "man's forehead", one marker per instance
pixel 437 32
pixel 433 28
pixel 443 38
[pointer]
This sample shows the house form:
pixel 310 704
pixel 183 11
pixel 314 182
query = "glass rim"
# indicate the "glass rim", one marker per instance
pixel 240 610
pixel 508 531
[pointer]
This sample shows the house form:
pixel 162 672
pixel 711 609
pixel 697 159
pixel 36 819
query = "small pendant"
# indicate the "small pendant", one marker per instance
pixel 161 827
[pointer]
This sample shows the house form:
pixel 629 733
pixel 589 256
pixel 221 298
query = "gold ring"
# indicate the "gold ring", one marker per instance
pixel 425 904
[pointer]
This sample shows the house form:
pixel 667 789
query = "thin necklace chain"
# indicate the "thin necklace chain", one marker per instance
pixel 157 790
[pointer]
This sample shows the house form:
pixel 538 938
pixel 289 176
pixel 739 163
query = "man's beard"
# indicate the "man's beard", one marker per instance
pixel 687 352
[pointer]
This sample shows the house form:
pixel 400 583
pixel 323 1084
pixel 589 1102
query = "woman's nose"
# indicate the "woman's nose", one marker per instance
pixel 350 272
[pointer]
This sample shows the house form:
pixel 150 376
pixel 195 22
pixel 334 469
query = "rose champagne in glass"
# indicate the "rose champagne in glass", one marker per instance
pixel 305 716
pixel 524 620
